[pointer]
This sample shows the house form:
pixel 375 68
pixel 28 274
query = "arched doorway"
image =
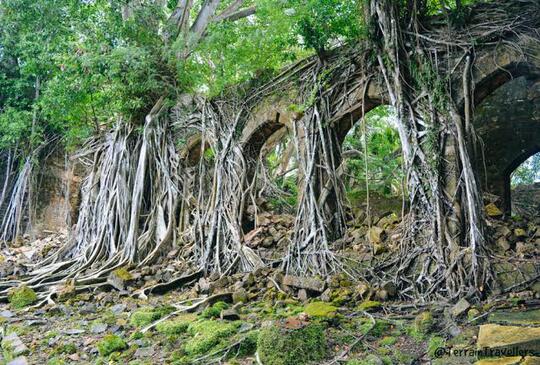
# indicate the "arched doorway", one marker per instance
pixel 525 184
pixel 507 123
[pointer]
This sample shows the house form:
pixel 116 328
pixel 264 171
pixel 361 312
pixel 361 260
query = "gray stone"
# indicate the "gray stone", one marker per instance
pixel 313 284
pixel 118 309
pixel 460 308
pixel 230 315
pixel 14 344
pixel 240 296
pixel 302 295
pixel 494 336
pixel 6 314
pixel 145 352
pixel 98 328
pixel 18 361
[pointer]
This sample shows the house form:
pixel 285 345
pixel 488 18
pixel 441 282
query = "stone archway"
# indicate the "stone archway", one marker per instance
pixel 508 124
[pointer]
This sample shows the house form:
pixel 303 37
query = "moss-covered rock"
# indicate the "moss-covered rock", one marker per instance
pixel 175 326
pixel 320 310
pixel 424 322
pixel 214 311
pixel 207 335
pixel 280 346
pixel 145 316
pixel 21 297
pixel 142 318
pixel 369 305
pixel 111 343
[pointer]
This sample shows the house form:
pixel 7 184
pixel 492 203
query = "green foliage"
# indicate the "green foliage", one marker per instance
pixel 528 172
pixel 324 24
pixel 214 311
pixel 21 297
pixel 278 346
pixel 111 343
pixel 208 334
pixel 384 162
pixel 176 326
pixel 146 316
pixel 434 343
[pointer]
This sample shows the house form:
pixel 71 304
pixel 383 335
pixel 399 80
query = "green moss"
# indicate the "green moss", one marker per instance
pixel 368 305
pixel 207 335
pixel 146 316
pixel 123 273
pixel 143 317
pixel 424 322
pixel 375 330
pixel 278 346
pixel 176 326
pixel 111 343
pixel 434 343
pixel 320 310
pixel 66 348
pixel 388 341
pixel 215 310
pixel 21 297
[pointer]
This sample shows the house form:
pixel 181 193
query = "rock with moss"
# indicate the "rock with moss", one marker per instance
pixel 281 346
pixel 22 297
pixel 424 322
pixel 320 310
pixel 214 311
pixel 110 344
pixel 207 335
pixel 120 278
pixel 368 305
pixel 145 316
pixel 175 326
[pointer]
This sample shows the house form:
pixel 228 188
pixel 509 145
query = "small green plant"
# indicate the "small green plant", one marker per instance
pixel 111 343
pixel 208 334
pixel 214 311
pixel 435 343
pixel 21 297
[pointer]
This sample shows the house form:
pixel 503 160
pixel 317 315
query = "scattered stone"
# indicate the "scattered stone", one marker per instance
pixel 531 317
pixel 145 352
pixel 494 336
pixel 120 278
pixel 424 322
pixel 229 315
pixel 302 295
pixel 14 345
pixel 503 244
pixel 73 331
pixel 99 328
pixel 313 284
pixel 18 361
pixel 500 361
pixel 375 235
pixel 240 296
pixel 118 309
pixel 493 211
pixel 461 307
pixel 6 314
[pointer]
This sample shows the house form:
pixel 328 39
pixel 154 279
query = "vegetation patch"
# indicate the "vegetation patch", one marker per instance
pixel 320 310
pixel 208 335
pixel 22 297
pixel 111 343
pixel 175 326
pixel 279 346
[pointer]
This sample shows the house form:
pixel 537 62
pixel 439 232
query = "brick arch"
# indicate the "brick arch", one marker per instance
pixel 507 118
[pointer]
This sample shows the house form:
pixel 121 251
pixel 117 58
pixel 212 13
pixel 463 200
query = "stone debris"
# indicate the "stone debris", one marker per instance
pixel 14 345
pixel 494 336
